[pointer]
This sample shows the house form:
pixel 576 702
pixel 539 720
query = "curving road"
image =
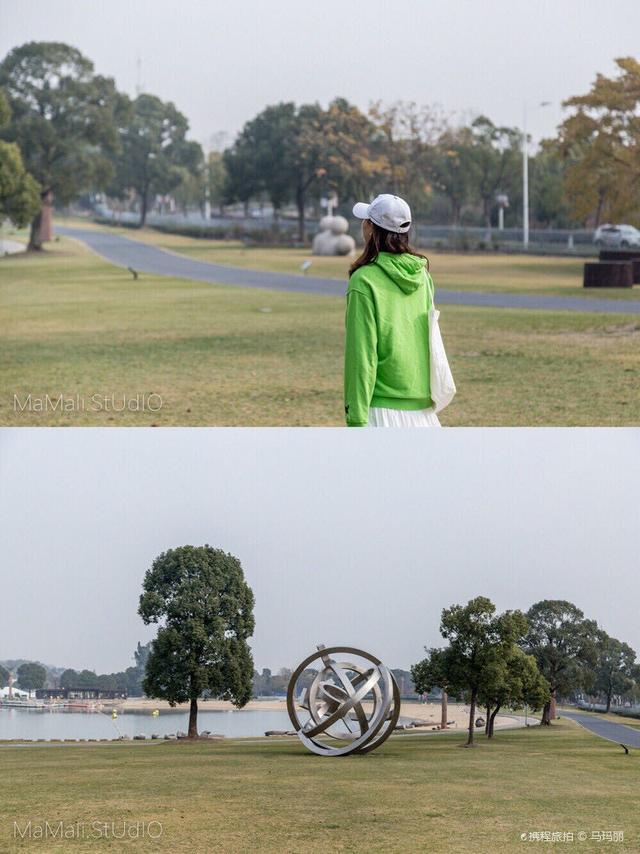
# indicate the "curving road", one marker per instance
pixel 124 252
pixel 619 733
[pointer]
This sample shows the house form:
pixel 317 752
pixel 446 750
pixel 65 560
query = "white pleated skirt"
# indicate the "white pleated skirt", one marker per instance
pixel 379 417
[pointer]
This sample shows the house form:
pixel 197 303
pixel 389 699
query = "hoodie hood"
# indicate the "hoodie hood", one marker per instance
pixel 405 270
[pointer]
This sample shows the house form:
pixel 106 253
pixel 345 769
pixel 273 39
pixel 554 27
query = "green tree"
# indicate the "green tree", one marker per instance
pixel 477 637
pixel 87 679
pixel 511 679
pixel 217 180
pixel 63 119
pixel 200 599
pixel 154 154
pixel 31 676
pixel 563 644
pixel 616 668
pixel 452 169
pixel 4 676
pixel 19 193
pixel 434 671
pixel 495 162
pixel 291 153
pixel 69 678
pixel 549 204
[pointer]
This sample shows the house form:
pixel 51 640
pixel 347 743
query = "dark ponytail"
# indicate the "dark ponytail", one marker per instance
pixel 381 240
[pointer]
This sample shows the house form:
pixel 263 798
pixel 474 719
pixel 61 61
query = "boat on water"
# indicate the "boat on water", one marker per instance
pixel 21 704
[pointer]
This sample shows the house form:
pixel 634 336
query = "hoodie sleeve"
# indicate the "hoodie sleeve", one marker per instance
pixel 361 358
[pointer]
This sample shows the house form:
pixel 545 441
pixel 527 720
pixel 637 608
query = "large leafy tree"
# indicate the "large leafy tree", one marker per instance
pixel 292 153
pixel 64 120
pixel 154 155
pixel 31 675
pixel 563 644
pixel 4 676
pixel 616 668
pixel 601 142
pixel 477 638
pixel 204 608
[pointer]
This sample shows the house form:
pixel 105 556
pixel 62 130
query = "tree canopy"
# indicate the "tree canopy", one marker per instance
pixel 600 141
pixel 204 608
pixel 63 117
pixel 563 644
pixel 154 156
pixel 616 668
pixel 478 640
pixel 30 676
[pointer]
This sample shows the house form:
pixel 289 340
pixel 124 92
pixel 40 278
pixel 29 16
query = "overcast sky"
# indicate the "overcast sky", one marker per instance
pixel 346 536
pixel 221 62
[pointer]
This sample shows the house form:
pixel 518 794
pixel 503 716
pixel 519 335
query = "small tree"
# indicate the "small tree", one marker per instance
pixel 615 669
pixel 477 637
pixel 511 679
pixel 204 607
pixel 4 676
pixel 563 644
pixel 434 672
pixel 19 193
pixel 495 155
pixel 31 676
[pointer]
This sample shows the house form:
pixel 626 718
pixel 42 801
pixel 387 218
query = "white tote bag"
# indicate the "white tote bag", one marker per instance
pixel 443 387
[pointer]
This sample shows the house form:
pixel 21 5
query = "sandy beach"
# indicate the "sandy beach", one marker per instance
pixel 458 715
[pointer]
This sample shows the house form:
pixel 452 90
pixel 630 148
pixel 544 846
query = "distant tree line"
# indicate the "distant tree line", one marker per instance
pixel 549 654
pixel 31 675
pixel 66 131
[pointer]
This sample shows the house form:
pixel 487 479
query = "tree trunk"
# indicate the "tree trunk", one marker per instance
pixel 444 711
pixel 472 718
pixel 143 209
pixel 193 719
pixel 492 721
pixel 546 714
pixel 608 709
pixel 41 224
pixel 553 714
pixel 35 235
pixel 487 720
pixel 599 209
pixel 301 223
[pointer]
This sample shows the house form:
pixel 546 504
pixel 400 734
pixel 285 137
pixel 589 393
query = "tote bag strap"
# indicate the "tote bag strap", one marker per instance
pixel 430 289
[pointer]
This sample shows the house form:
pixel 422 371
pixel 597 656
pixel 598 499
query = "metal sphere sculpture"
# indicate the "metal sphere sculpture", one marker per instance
pixel 354 702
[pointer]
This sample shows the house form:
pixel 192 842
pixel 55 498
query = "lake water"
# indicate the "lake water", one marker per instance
pixel 34 724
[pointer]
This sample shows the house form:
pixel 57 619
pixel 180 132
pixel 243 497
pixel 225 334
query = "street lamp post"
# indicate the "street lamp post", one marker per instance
pixel 525 174
pixel 525 181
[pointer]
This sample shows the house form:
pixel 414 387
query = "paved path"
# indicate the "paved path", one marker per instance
pixel 620 733
pixel 145 258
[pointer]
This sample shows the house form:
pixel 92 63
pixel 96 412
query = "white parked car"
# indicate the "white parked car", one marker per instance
pixel 610 236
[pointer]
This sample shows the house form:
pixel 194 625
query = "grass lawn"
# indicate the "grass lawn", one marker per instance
pixel 75 325
pixel 451 271
pixel 413 794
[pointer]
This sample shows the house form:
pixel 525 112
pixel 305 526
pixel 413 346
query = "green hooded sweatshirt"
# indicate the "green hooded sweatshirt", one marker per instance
pixel 387 337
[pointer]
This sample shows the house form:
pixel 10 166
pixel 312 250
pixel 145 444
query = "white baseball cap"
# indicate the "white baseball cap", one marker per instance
pixel 387 211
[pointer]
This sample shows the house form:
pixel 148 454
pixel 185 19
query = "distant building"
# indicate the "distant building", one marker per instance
pixel 79 694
